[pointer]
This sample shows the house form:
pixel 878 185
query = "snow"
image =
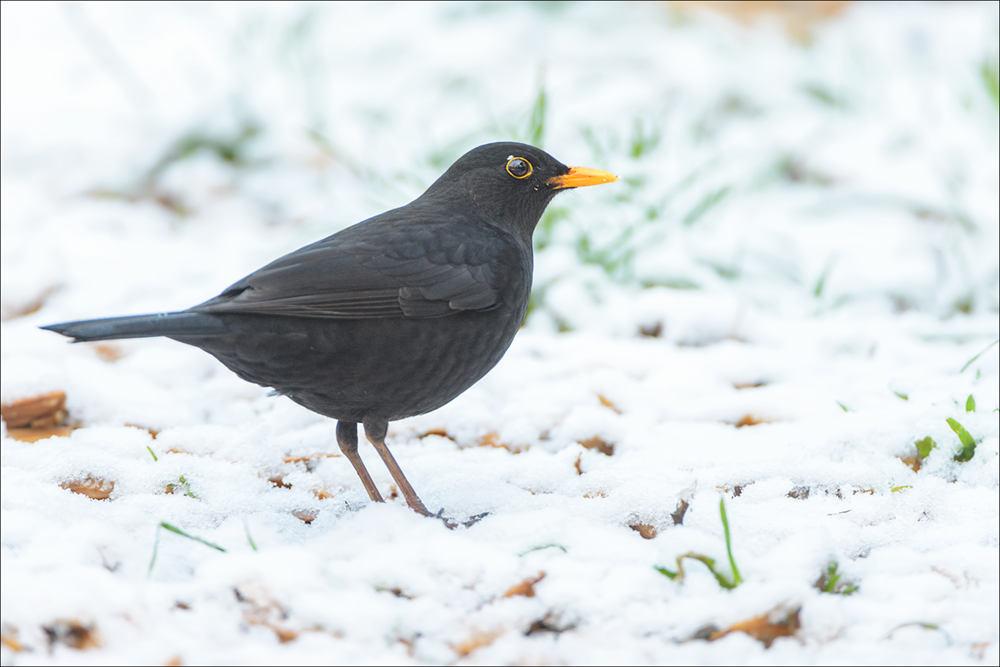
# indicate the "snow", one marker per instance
pixel 808 231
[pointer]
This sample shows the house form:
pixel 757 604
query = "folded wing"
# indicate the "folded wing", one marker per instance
pixel 384 267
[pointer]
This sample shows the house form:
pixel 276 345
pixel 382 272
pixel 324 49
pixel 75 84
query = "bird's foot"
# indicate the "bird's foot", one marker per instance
pixel 452 524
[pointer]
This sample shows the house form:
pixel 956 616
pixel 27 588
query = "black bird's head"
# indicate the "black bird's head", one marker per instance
pixel 509 184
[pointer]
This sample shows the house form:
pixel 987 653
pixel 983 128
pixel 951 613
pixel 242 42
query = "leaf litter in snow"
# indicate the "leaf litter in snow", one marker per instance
pixel 791 300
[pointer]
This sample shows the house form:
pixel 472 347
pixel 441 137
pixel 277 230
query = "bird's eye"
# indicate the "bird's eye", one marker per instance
pixel 518 167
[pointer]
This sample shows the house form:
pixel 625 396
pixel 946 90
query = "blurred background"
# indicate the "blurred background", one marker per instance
pixel 796 159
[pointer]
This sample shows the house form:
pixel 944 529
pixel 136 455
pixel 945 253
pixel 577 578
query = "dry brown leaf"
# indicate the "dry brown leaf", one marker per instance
pixel 436 431
pixel 260 609
pixel 305 516
pixel 46 410
pixel 174 661
pixel 151 431
pixel 92 487
pixel 608 404
pixel 608 449
pixel 29 307
pixel 797 16
pixel 492 439
pixel 654 330
pixel 526 587
pixel 323 493
pixel 678 514
pixel 579 470
pixel 477 640
pixel 9 638
pixel 748 385
pixel 913 462
pixel 765 628
pixel 279 482
pixel 309 457
pixel 596 494
pixel 36 434
pixel 750 420
pixel 647 531
pixel 73 633
pixel 108 353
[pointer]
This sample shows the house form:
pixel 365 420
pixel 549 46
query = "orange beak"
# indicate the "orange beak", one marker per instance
pixel 579 177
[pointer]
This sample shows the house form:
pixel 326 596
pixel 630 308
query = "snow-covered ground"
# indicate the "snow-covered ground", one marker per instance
pixel 804 241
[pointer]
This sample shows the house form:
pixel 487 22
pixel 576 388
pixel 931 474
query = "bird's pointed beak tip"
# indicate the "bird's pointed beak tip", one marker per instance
pixel 578 177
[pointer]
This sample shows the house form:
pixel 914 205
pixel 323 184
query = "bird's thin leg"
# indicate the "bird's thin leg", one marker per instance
pixel 347 438
pixel 376 430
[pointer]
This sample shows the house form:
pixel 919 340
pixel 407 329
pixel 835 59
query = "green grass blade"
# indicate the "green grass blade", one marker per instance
pixel 246 528
pixel 925 446
pixel 981 353
pixel 737 579
pixel 543 546
pixel 175 529
pixel 968 442
pixel 156 549
pixel 151 452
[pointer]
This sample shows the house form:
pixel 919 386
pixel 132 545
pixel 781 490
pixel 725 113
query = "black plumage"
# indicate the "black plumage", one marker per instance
pixel 392 317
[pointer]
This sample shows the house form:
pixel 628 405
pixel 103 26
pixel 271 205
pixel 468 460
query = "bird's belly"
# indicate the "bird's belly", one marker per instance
pixel 388 368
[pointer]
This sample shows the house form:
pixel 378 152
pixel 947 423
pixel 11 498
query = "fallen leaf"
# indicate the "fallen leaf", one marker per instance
pixel 309 457
pixel 766 627
pixel 278 481
pixel 30 306
pixel 477 640
pixel 608 404
pixel 108 353
pixel 798 17
pixel 36 434
pixel 438 432
pixel 260 609
pixel 38 411
pixel 9 638
pixel 647 531
pixel 151 431
pixel 92 487
pixel 750 420
pixel 678 514
pixel 576 464
pixel 73 633
pixel 599 444
pixel 749 385
pixel 492 439
pixel 526 587
pixel 305 516
pixel 654 330
pixel 913 462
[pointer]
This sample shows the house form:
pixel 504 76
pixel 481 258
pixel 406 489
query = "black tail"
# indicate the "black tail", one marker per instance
pixel 141 326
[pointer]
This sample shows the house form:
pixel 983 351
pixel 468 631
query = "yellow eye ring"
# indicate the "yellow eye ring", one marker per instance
pixel 519 168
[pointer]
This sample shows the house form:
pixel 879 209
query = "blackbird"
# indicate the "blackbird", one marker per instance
pixel 392 317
